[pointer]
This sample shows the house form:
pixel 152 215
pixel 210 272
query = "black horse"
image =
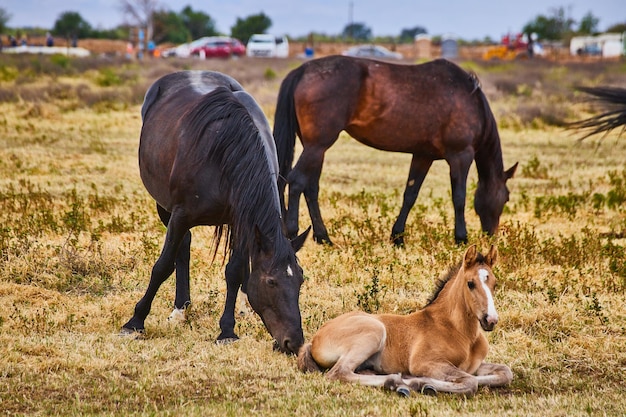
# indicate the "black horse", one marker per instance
pixel 433 111
pixel 614 116
pixel 206 155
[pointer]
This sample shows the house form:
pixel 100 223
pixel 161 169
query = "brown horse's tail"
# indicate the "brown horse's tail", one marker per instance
pixel 286 126
pixel 614 115
pixel 306 363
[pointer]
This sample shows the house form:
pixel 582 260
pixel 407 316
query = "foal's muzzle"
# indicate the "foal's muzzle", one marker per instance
pixel 488 323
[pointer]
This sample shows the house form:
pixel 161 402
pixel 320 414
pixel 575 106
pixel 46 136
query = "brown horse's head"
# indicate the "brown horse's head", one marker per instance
pixel 274 290
pixel 489 200
pixel 480 283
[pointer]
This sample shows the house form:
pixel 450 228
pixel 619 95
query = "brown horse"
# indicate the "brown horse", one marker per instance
pixel 437 348
pixel 206 155
pixel 433 111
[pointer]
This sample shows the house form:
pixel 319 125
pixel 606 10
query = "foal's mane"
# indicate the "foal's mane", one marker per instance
pixel 219 130
pixel 448 277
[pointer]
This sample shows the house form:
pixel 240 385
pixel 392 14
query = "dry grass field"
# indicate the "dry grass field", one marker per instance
pixel 79 235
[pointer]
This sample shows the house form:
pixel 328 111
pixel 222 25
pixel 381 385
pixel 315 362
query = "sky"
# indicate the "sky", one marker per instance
pixel 466 19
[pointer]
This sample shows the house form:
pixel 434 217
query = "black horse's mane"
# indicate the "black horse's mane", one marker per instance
pixel 220 130
pixel 452 272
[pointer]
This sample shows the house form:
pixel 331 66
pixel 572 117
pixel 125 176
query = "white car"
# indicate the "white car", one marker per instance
pixel 264 45
pixel 372 51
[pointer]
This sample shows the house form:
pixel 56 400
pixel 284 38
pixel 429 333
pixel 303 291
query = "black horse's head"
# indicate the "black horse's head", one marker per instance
pixel 274 289
pixel 489 200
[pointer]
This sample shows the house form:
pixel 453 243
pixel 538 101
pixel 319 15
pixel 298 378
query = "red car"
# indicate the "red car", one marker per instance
pixel 219 47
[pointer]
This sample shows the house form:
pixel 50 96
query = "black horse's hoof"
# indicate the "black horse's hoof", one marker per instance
pixel 226 340
pixel 429 390
pixel 403 391
pixel 136 334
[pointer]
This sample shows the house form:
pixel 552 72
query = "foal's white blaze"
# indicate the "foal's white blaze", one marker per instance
pixel 483 274
pixel 289 271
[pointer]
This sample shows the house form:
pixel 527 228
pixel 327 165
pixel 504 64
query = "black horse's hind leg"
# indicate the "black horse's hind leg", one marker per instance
pixel 237 273
pixel 161 270
pixel 305 178
pixel 459 168
pixel 183 293
pixel 417 173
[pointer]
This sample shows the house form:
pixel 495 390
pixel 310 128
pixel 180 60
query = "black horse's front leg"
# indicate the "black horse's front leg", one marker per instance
pixel 162 269
pixel 237 271
pixel 183 294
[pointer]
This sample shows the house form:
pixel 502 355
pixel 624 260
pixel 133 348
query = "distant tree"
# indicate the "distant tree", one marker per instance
pixel 4 19
pixel 70 24
pixel 170 27
pixel 555 27
pixel 617 28
pixel 588 24
pixel 199 24
pixel 357 31
pixel 408 35
pixel 140 13
pixel 244 28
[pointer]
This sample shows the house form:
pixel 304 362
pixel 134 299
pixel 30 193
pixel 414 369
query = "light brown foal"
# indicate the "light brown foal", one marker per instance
pixel 438 348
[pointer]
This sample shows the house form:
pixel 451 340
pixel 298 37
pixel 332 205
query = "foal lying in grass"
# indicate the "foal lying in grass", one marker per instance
pixel 438 348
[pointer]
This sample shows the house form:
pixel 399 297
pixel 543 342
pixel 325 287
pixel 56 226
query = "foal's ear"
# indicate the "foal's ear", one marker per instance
pixel 298 241
pixel 492 256
pixel 470 256
pixel 508 174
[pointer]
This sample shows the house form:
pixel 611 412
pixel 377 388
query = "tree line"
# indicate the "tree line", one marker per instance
pixel 164 25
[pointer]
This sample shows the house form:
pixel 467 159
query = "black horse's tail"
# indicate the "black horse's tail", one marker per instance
pixel 613 117
pixel 286 126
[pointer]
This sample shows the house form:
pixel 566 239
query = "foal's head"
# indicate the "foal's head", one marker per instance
pixel 274 289
pixel 490 198
pixel 479 283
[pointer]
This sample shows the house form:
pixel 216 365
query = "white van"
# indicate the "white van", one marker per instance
pixel 264 45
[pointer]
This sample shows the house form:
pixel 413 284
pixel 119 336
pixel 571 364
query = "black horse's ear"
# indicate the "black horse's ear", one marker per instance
pixel 298 241
pixel 263 242
pixel 508 174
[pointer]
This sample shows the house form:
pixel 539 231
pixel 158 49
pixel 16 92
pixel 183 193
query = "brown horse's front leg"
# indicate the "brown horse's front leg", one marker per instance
pixel 417 172
pixel 494 375
pixel 459 168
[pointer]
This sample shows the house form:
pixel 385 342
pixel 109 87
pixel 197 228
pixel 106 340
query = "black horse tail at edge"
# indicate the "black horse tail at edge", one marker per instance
pixel 614 115
pixel 286 126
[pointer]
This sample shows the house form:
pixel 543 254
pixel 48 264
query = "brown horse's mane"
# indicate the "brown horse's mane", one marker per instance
pixel 452 272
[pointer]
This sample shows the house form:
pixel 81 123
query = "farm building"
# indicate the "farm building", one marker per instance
pixel 607 45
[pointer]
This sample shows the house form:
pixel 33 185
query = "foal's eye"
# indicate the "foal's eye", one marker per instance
pixel 471 285
pixel 271 282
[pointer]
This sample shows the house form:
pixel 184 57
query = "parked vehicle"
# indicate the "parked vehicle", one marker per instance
pixel 183 50
pixel 219 47
pixel 372 51
pixel 264 45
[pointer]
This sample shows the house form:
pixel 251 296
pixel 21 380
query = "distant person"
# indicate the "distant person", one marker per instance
pixel 151 48
pixel 74 41
pixel 24 41
pixel 530 46
pixel 12 41
pixel 49 39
